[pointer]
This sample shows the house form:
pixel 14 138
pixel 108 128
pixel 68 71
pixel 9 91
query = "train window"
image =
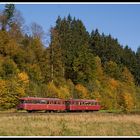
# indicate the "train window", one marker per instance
pixel 49 102
pixel 96 103
pixel 43 101
pixel 93 103
pixel 75 103
pixel 89 103
pixel 27 101
pixel 35 101
pixel 81 103
pixel 22 101
pixel 59 102
pixel 86 103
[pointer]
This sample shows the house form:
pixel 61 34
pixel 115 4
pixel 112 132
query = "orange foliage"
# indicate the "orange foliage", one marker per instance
pixel 113 83
pixel 128 102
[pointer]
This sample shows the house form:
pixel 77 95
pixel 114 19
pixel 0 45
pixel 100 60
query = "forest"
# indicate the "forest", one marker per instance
pixel 75 64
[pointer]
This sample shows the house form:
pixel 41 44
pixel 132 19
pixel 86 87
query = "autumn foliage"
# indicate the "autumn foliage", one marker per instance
pixel 75 64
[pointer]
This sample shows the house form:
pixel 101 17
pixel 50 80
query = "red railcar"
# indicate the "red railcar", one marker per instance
pixel 54 104
pixel 82 105
pixel 37 104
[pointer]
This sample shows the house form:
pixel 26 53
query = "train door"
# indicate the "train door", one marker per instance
pixel 67 103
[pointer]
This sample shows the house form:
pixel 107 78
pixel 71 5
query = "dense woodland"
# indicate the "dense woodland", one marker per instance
pixel 75 64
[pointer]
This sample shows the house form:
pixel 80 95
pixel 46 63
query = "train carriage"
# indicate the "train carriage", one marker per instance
pixel 82 105
pixel 55 104
pixel 38 104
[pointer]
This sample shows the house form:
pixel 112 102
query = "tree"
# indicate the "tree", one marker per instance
pixel 126 98
pixel 17 27
pixel 37 30
pixel 34 73
pixel 56 63
pixel 7 17
pixel 73 39
pixel 9 67
pixel 112 70
pixel 81 92
pixel 137 72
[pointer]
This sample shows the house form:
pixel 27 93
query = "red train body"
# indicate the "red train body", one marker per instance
pixel 54 104
pixel 82 105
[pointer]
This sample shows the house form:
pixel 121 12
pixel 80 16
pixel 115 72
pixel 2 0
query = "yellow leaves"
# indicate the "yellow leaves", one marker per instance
pixel 23 77
pixel 97 96
pixel 3 90
pixel 11 48
pixel 127 76
pixel 58 92
pixel 2 85
pixel 64 92
pixel 13 88
pixel 52 90
pixel 113 84
pixel 20 91
pixel 128 101
pixel 99 69
pixel 81 91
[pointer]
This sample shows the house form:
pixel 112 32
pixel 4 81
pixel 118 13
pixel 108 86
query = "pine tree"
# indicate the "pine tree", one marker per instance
pixel 56 64
pixel 8 15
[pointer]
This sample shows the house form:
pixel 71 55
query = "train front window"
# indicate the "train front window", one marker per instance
pixel 22 101
pixel 25 101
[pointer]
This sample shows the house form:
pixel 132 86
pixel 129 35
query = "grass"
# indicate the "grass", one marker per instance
pixel 69 124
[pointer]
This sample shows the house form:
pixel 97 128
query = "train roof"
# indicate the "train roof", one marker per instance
pixel 84 100
pixel 41 98
pixel 38 98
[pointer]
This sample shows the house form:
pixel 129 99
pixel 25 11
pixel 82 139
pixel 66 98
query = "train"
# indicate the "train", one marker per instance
pixel 32 104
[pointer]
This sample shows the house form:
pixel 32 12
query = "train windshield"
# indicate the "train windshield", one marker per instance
pixel 22 101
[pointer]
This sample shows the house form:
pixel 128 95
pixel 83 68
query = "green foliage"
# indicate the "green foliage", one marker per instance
pixel 34 72
pixel 8 14
pixel 56 63
pixel 112 70
pixel 9 67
